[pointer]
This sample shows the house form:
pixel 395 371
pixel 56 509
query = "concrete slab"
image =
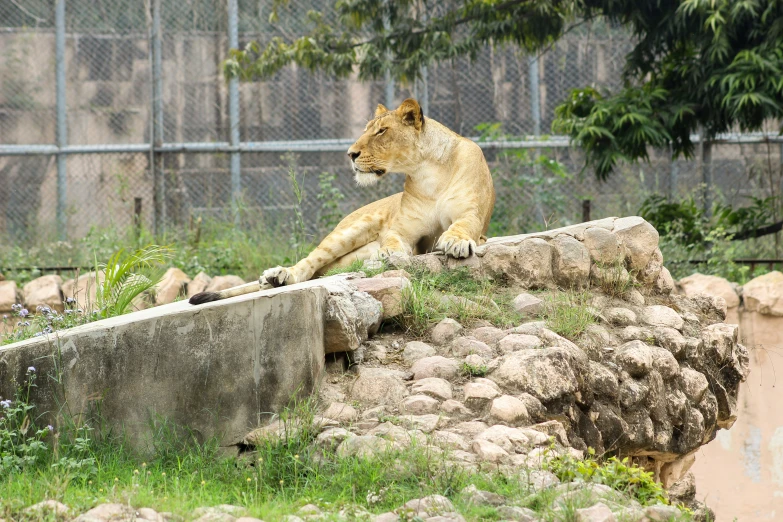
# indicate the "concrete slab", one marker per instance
pixel 219 369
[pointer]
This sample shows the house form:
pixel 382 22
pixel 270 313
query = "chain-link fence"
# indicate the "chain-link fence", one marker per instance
pixel 115 110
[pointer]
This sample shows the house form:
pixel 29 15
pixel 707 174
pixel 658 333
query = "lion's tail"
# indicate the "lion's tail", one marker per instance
pixel 208 297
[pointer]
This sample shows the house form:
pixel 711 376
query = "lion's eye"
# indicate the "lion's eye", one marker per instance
pixel 380 131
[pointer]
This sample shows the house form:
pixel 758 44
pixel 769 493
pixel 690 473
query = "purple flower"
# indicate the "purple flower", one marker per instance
pixel 24 312
pixel 49 427
pixel 6 403
pixel 70 300
pixel 31 369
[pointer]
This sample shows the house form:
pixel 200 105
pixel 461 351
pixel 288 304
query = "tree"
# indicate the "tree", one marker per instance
pixel 697 65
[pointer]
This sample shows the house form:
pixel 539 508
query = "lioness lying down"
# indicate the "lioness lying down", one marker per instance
pixel 445 205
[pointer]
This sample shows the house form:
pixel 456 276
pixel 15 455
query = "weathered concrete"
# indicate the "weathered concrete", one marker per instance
pixel 218 369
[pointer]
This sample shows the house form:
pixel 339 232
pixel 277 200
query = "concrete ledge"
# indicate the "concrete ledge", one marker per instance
pixel 218 369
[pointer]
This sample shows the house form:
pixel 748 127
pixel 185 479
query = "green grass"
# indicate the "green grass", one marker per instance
pixel 567 313
pixel 424 305
pixel 358 266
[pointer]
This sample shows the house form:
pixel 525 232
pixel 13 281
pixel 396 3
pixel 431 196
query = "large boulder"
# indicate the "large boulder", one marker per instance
pixel 171 285
pixel 44 291
pixel 711 285
pixel 9 296
pixel 764 294
pixel 84 289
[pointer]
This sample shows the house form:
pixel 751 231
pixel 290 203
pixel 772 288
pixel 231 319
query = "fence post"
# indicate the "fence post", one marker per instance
pixel 535 113
pixel 62 128
pixel 387 78
pixel 673 174
pixel 233 111
pixel 159 196
pixel 706 174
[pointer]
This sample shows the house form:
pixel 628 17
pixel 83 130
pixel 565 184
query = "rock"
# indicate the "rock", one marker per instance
pixel 387 290
pixel 544 373
pixel 151 515
pixel 84 289
pixel 694 384
pixel 171 286
pixel 472 495
pixel 419 405
pixel 386 517
pixel 764 294
pixel 447 517
pixel 719 340
pixel 598 513
pixel 659 315
pixel 332 437
pixel 602 381
pixel 450 440
pixel 341 412
pixel 219 283
pixel 198 284
pixel 475 361
pixel 509 410
pixel 539 479
pixel 665 283
pixel 435 366
pixel 620 316
pixel 9 296
pixel 445 331
pixel 488 334
pixel 710 285
pixel 462 346
pixel 44 291
pixel 364 446
pixel 528 304
pixel 469 429
pixel 570 262
pixel 662 513
pixel 47 510
pixel 635 297
pixel 478 395
pixel 639 240
pixel 108 513
pixel 637 333
pixel 516 342
pixel 519 514
pixel 684 490
pixel 670 339
pixel 510 439
pixel 533 406
pixel 416 350
pixel 528 264
pixel 432 505
pixel 635 357
pixel 351 317
pixel 379 386
pixel 453 407
pixel 488 451
pixel 603 246
pixel 434 387
pixel 554 429
pixel 664 362
pixel 426 423
pixel 395 273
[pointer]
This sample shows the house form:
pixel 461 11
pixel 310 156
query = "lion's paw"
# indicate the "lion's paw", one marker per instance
pixel 279 276
pixel 454 246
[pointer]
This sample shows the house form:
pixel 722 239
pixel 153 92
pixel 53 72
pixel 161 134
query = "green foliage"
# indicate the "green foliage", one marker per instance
pixel 22 324
pixel 330 197
pixel 455 294
pixel 713 65
pixel 472 370
pixel 298 241
pixel 127 276
pixel 618 474
pixel 22 444
pixel 568 313
pixel 536 182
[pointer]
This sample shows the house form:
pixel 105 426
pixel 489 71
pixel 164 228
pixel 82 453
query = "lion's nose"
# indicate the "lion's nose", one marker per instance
pixel 353 155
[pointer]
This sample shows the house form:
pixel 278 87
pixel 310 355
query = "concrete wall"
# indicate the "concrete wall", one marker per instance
pixel 740 473
pixel 219 369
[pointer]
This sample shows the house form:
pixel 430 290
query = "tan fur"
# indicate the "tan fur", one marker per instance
pixel 446 203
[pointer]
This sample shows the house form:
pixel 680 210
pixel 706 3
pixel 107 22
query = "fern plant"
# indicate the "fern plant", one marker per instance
pixel 128 275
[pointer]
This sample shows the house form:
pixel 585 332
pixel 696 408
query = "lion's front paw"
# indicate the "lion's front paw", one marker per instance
pixel 279 276
pixel 455 246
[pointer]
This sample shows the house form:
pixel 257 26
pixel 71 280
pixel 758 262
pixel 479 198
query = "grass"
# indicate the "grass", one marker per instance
pixel 614 279
pixel 424 305
pixel 567 313
pixel 472 370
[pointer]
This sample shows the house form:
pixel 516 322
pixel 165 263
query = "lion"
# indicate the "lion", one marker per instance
pixel 446 203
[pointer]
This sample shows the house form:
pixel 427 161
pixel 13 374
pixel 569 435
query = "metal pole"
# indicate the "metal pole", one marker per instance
pixel 673 175
pixel 62 127
pixel 425 94
pixel 535 101
pixel 706 173
pixel 387 78
pixel 157 122
pixel 233 110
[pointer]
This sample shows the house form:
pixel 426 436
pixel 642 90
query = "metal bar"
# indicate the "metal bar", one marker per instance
pixel 387 78
pixel 535 99
pixel 585 210
pixel 62 127
pixel 233 110
pixel 706 173
pixel 159 195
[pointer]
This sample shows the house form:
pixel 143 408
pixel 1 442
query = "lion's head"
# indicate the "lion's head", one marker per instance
pixel 388 142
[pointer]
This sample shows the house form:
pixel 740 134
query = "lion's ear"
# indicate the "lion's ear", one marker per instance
pixel 380 109
pixel 411 113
